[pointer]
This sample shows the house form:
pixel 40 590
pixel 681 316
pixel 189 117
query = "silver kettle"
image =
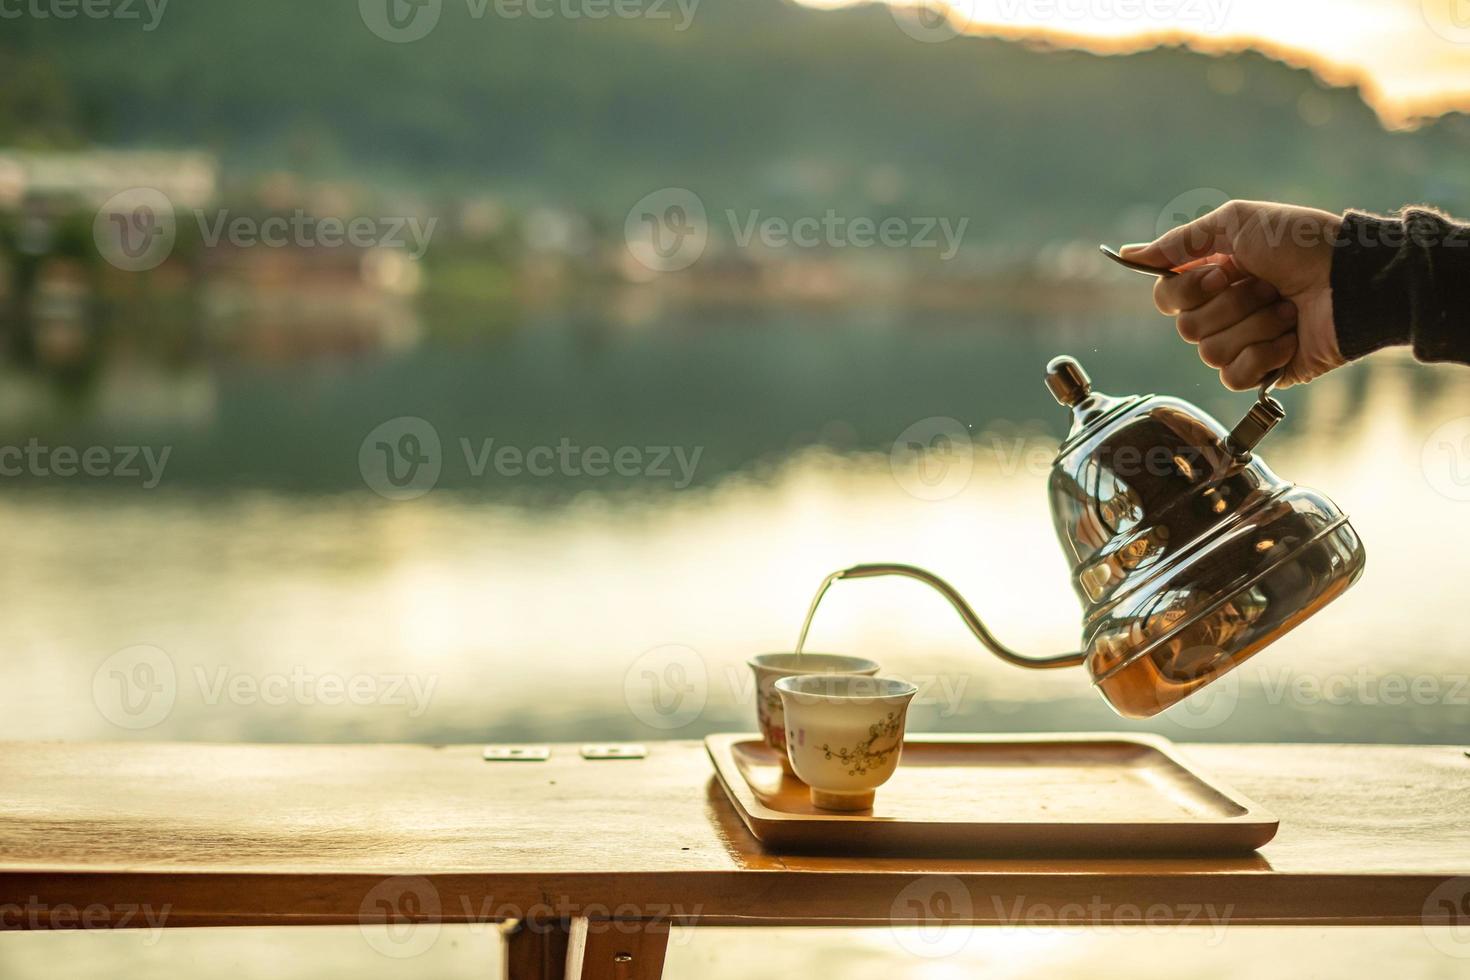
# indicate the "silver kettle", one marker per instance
pixel 1189 554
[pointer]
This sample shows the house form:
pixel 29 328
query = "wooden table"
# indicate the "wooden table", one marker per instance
pixel 588 863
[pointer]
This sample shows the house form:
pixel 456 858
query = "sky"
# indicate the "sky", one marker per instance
pixel 1410 57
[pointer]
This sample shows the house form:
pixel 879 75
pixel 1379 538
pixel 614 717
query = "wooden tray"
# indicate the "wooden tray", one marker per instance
pixel 1092 794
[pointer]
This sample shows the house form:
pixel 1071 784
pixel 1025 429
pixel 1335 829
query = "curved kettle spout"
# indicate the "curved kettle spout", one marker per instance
pixel 982 633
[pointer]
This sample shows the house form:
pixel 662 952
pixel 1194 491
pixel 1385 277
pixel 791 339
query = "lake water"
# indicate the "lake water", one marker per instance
pixel 263 590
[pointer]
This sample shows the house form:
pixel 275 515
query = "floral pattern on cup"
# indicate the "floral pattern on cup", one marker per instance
pixel 771 667
pixel 768 714
pixel 863 756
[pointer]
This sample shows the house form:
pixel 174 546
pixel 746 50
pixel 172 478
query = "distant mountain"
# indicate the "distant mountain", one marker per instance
pixel 758 104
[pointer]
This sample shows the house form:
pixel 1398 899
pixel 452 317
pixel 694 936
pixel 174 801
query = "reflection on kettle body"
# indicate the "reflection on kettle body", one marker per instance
pixel 1188 553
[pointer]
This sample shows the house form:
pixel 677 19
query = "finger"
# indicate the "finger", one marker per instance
pixel 1298 372
pixel 1194 284
pixel 1213 233
pixel 1226 262
pixel 1259 360
pixel 1220 349
pixel 1226 309
pixel 1189 289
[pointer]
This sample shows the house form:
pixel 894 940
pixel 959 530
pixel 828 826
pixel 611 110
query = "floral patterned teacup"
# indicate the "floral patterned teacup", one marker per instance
pixel 844 734
pixel 771 667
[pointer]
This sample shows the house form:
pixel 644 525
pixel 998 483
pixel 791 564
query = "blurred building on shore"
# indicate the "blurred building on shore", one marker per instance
pixel 88 178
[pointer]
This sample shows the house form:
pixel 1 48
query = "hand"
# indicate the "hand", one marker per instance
pixel 1254 290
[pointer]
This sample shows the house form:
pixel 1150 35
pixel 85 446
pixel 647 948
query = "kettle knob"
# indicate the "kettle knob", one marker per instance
pixel 1069 384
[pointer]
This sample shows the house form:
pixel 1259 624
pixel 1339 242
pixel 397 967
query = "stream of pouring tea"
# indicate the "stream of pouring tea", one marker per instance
pixel 812 609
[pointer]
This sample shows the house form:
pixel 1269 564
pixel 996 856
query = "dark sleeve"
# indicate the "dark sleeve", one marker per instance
pixel 1403 279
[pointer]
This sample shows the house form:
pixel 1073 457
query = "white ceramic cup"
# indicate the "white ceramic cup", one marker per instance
pixel 844 734
pixel 771 667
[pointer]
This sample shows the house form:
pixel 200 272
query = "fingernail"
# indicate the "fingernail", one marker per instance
pixel 1123 250
pixel 1214 280
pixel 1286 310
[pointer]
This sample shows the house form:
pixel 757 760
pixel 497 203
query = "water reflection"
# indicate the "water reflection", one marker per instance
pixel 507 608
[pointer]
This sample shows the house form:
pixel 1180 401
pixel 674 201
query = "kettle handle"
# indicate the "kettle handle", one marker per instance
pixel 1260 420
pixel 982 633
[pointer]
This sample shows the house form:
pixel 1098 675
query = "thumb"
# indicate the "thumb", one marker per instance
pixel 1213 234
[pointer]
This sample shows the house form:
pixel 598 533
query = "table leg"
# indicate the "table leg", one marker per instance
pixel 617 950
pixel 535 950
pixel 580 949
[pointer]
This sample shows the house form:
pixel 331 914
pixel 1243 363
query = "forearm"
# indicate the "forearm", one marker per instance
pixel 1402 280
